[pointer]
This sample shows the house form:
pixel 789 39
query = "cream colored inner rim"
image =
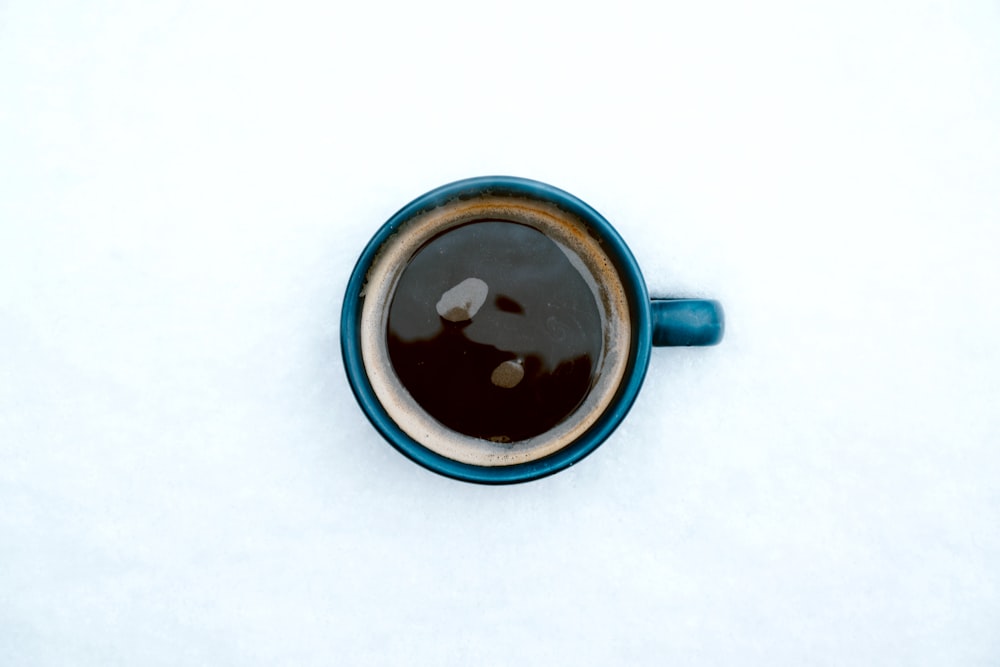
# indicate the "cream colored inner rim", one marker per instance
pixel 583 251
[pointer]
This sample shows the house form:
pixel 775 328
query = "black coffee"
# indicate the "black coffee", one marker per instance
pixel 494 332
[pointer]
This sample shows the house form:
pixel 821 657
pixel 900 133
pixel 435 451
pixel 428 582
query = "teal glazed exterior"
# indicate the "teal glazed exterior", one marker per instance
pixel 657 322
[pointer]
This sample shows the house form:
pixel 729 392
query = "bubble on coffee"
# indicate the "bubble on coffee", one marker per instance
pixel 494 332
pixel 508 374
pixel 462 301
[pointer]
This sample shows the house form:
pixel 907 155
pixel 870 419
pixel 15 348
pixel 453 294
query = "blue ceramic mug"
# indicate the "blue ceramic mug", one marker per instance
pixel 498 329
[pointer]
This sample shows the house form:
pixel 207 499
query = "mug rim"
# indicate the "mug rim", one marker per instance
pixel 636 363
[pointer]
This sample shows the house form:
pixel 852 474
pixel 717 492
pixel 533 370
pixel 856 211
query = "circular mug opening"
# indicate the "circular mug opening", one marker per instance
pixel 451 322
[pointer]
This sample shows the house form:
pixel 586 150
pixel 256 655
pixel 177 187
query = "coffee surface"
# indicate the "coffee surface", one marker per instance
pixel 494 332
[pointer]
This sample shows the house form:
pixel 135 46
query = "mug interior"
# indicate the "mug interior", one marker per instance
pixel 583 250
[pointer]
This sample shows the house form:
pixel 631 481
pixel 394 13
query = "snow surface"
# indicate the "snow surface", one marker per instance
pixel 185 478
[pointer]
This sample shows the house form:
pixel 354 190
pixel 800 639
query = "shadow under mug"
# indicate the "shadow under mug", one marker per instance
pixel 418 324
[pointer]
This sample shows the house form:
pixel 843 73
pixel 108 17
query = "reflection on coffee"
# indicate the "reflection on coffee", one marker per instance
pixel 494 332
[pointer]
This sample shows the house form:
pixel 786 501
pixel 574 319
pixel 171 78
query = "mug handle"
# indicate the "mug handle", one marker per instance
pixel 687 322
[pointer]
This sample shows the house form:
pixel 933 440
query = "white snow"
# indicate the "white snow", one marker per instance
pixel 186 479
